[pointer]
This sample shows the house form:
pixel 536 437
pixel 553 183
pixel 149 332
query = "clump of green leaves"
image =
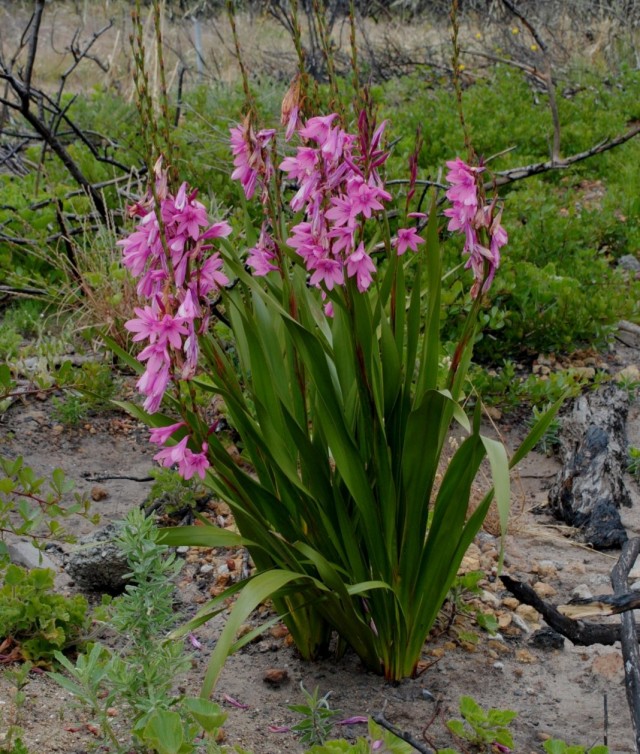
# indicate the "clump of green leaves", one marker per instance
pixel 460 599
pixel 317 717
pixel 31 507
pixel 550 440
pixel 481 728
pixel 39 621
pixel 90 389
pixel 633 462
pixel 174 492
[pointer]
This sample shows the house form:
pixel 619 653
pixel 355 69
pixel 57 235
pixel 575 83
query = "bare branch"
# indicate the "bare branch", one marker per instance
pixel 35 22
pixel 504 177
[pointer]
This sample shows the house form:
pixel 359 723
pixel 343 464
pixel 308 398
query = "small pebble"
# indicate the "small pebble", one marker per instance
pixel 206 568
pixel 182 550
pixel 498 665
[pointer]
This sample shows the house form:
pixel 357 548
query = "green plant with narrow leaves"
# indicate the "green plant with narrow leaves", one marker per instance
pixel 354 515
pixel 317 717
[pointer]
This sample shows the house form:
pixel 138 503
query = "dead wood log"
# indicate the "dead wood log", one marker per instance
pixel 590 487
pixel 630 651
pixel 580 633
pixel 585 634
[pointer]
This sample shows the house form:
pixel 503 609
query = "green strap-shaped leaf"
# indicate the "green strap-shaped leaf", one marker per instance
pixel 256 591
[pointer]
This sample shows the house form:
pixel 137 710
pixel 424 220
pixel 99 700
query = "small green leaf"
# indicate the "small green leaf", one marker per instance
pixel 164 732
pixel 207 713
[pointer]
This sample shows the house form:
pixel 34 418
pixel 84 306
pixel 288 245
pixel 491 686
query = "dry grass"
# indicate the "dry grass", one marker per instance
pixel 396 44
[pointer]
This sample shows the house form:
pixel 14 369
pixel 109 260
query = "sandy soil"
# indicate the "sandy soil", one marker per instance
pixel 556 692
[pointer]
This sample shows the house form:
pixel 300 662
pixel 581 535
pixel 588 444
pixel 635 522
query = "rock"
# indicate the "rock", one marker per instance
pixel 276 677
pixel 581 592
pixel 511 603
pixel 98 493
pixel 97 563
pixel 25 554
pixel 629 262
pixel 547 638
pixel 525 657
pixel 530 614
pixel 544 590
pixel 182 550
pixel 206 568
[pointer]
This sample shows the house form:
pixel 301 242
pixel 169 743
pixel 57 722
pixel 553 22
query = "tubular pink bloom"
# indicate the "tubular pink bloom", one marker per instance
pixel 302 165
pixel 317 129
pixel 328 271
pixel 210 275
pixel 263 254
pixel 407 238
pixel 169 329
pixel 174 454
pixel 194 463
pixel 217 230
pixel 159 435
pixel 153 384
pixel 145 326
pixel 361 265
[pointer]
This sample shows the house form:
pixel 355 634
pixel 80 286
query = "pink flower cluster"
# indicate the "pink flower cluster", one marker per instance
pixel 177 277
pixel 480 223
pixel 188 462
pixel 339 188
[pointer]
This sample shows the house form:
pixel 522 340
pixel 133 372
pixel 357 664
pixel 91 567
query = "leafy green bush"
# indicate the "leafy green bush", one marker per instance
pixel 39 621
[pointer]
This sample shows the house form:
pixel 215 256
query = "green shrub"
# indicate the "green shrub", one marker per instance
pixel 39 621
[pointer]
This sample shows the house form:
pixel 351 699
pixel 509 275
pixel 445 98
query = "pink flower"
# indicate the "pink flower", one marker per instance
pixel 318 128
pixel 159 435
pixel 327 271
pixel 172 455
pixel 194 463
pixel 361 265
pixel 145 326
pixel 407 238
pixel 210 276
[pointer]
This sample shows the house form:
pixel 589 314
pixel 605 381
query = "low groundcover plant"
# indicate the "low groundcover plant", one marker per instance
pixel 336 383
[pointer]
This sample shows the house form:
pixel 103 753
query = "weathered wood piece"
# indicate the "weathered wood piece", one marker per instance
pixel 580 633
pixel 629 641
pixel 590 487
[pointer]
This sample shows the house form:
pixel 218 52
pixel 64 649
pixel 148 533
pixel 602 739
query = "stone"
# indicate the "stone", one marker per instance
pixel 547 638
pixel 544 590
pixel 276 677
pixel 98 493
pixel 629 262
pixel 97 564
pixel 525 657
pixel 206 568
pixel 581 592
pixel 27 555
pixel 530 614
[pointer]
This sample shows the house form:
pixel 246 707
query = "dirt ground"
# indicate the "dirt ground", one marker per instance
pixel 556 692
